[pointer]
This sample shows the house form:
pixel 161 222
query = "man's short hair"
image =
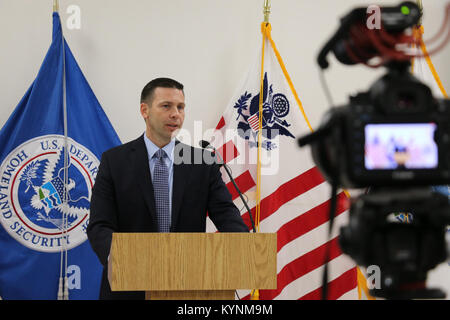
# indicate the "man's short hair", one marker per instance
pixel 147 92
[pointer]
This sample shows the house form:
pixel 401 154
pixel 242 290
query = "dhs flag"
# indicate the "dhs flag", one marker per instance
pixel 49 155
pixel 294 199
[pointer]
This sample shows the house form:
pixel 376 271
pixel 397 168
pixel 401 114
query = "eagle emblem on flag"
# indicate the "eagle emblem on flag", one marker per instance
pixel 50 192
pixel 275 109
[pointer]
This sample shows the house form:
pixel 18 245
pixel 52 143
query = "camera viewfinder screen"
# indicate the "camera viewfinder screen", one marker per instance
pixel 400 146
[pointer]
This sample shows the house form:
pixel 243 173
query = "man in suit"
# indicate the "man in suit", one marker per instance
pixel 157 184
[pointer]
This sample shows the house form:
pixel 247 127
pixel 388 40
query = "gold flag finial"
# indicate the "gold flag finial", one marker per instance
pixel 266 10
pixel 55 6
pixel 420 4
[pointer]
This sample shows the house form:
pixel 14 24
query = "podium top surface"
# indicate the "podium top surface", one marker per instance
pixel 192 261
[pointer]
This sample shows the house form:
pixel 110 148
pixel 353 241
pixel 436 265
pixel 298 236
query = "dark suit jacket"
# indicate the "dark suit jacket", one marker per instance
pixel 123 200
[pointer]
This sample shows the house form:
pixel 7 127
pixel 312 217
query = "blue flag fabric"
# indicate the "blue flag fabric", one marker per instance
pixel 35 222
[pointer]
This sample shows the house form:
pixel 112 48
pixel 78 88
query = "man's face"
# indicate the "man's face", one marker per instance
pixel 164 116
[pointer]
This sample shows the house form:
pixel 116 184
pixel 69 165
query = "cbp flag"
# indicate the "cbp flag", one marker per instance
pixel 49 155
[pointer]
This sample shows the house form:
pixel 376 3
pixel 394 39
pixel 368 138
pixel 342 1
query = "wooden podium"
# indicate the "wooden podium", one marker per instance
pixel 192 266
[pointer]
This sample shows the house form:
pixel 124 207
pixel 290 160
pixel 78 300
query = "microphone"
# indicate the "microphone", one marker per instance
pixel 206 145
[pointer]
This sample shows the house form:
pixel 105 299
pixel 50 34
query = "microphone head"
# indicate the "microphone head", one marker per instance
pixel 204 143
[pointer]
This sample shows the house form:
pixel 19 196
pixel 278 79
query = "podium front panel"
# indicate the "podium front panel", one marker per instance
pixel 192 261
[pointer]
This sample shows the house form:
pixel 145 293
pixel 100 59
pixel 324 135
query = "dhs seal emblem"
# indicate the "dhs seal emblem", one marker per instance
pixel 32 193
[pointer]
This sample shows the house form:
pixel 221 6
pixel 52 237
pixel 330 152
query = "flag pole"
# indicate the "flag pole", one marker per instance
pixel 266 10
pixel 420 4
pixel 60 295
pixel 55 6
pixel 63 290
pixel 66 166
pixel 254 295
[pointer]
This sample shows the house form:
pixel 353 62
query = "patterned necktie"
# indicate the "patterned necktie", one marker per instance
pixel 161 190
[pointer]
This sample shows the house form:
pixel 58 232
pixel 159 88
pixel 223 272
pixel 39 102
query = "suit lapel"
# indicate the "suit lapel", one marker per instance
pixel 181 170
pixel 142 174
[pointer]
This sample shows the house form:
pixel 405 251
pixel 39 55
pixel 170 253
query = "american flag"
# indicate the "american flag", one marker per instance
pixel 294 197
pixel 253 121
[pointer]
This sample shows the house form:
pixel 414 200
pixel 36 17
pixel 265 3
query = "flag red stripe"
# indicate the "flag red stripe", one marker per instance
pixel 228 151
pixel 245 182
pixel 336 288
pixel 301 266
pixel 286 192
pixel 221 124
pixel 309 221
pixel 290 190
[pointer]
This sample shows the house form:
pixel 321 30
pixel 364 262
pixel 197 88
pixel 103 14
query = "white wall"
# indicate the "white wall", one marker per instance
pixel 205 44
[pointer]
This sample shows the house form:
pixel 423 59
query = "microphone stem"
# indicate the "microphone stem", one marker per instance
pixel 237 189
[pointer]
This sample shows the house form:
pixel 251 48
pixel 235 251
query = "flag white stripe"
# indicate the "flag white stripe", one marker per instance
pixel 313 280
pixel 308 242
pixel 297 206
pixel 289 210
pixel 350 295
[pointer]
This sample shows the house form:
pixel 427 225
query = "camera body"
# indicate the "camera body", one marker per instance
pixel 404 251
pixel 395 134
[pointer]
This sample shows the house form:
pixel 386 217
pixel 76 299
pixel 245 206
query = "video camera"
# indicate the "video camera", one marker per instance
pixel 394 140
pixel 392 135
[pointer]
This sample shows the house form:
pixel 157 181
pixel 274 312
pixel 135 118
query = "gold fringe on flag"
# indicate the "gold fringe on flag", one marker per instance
pixel 362 286
pixel 418 34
